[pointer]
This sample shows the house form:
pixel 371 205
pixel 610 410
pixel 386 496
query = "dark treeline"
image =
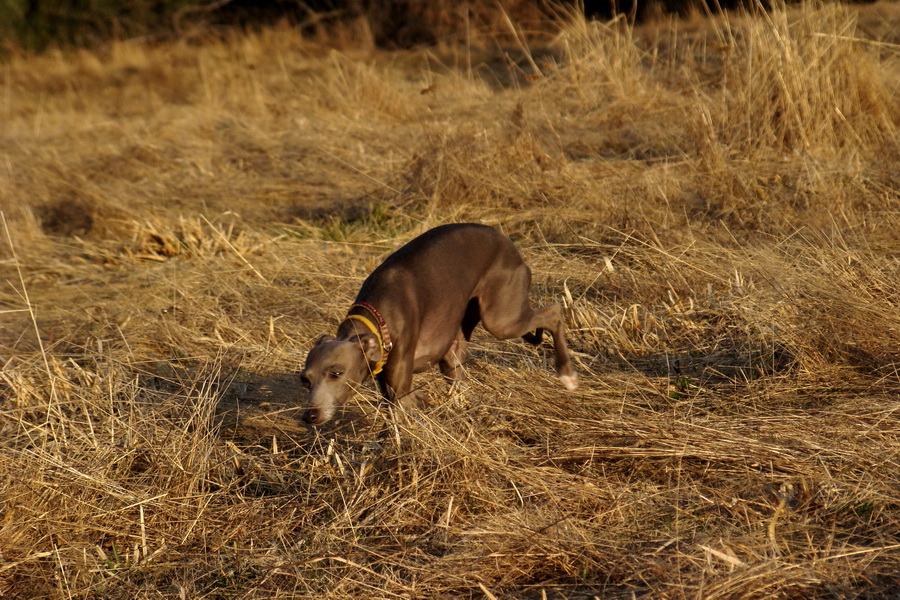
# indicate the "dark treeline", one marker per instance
pixel 37 24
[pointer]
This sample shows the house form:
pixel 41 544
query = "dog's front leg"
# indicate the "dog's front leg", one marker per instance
pixel 395 381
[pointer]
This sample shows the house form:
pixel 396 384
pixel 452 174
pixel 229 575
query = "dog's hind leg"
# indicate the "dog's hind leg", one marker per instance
pixel 507 313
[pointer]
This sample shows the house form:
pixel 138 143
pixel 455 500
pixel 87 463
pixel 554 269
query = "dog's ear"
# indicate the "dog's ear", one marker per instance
pixel 323 338
pixel 370 347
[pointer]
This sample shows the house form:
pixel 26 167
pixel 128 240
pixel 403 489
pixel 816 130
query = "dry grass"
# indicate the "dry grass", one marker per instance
pixel 715 201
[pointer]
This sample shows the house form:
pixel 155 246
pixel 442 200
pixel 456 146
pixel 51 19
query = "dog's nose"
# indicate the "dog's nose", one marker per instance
pixel 311 415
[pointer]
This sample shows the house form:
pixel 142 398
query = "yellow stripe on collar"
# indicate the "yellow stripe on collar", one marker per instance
pixel 371 327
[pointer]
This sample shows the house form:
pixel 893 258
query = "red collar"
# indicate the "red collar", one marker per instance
pixel 386 343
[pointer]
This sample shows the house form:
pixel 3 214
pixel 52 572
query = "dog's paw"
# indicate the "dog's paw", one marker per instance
pixel 570 381
pixel 412 400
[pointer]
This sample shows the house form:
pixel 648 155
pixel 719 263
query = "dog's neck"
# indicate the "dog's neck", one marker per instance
pixel 381 332
pixel 384 333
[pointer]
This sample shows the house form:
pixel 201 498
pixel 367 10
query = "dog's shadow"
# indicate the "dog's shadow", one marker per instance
pixel 255 407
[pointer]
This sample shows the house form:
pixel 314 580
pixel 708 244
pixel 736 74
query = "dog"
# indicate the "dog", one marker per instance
pixel 418 309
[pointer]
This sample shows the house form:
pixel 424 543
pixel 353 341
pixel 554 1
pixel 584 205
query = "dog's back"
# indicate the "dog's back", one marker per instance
pixel 460 253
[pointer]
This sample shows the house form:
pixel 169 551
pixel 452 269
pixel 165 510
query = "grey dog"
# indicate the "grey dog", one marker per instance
pixel 419 308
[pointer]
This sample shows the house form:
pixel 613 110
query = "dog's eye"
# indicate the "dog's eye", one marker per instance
pixel 335 374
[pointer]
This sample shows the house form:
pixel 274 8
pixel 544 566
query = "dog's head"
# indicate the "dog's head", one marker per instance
pixel 333 368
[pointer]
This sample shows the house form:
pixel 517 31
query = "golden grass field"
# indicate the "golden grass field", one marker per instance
pixel 716 201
